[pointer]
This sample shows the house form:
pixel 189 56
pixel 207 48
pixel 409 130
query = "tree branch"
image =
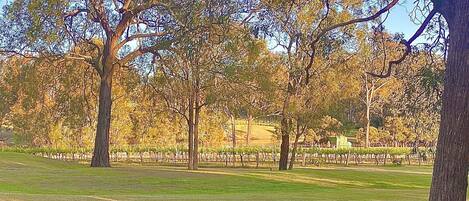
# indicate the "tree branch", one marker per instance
pixel 14 52
pixel 75 12
pixel 137 36
pixel 407 44
pixel 350 22
pixel 355 21
pixel 98 6
pixel 141 51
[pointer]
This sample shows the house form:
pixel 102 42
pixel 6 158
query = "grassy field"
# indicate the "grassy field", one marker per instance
pixel 261 135
pixel 25 177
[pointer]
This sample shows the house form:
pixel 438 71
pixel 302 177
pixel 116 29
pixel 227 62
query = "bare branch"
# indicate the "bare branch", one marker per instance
pixel 350 22
pixel 407 44
pixel 355 21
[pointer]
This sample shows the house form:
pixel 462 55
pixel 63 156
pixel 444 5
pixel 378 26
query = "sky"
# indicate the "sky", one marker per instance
pixel 399 20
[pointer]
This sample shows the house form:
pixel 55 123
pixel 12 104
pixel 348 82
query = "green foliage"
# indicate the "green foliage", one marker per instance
pixel 218 58
pixel 248 150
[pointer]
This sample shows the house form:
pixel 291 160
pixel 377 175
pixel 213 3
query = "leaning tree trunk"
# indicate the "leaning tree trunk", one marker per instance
pixel 295 147
pixel 101 143
pixel 451 164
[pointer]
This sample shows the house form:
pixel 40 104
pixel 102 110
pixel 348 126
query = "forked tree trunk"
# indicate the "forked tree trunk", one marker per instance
pixel 101 145
pixel 451 165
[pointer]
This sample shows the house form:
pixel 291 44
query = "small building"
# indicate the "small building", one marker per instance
pixel 340 141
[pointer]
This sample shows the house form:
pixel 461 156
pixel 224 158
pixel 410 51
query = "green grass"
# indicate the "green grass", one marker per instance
pixel 25 177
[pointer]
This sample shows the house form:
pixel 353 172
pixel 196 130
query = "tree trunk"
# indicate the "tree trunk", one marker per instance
pixel 101 143
pixel 233 131
pixel 285 146
pixel 233 138
pixel 190 124
pixel 451 164
pixel 196 109
pixel 257 160
pixel 295 146
pixel 196 135
pixel 249 130
pixel 367 132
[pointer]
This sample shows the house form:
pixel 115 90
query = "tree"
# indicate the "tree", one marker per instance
pixel 398 129
pixel 301 30
pixel 311 108
pixel 108 26
pixel 250 90
pixel 374 51
pixel 450 172
pixel 201 66
pixel 414 104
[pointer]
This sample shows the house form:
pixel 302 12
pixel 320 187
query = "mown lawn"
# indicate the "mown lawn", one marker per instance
pixel 25 177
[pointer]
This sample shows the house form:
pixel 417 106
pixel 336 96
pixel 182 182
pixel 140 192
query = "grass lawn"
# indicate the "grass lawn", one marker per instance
pixel 25 177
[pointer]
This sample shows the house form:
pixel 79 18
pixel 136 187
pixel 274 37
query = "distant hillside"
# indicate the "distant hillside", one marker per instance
pixel 261 133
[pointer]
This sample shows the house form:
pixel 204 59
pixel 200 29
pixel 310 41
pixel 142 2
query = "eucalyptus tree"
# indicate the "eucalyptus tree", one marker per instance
pixel 190 81
pixel 449 181
pixel 374 51
pixel 117 31
pixel 415 102
pixel 198 69
pixel 43 98
pixel 302 30
pixel 8 97
pixel 250 90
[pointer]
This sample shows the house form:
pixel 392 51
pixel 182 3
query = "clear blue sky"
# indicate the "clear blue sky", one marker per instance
pixel 399 20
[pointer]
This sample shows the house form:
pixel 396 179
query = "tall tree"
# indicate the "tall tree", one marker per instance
pixel 374 53
pixel 52 28
pixel 306 29
pixel 201 65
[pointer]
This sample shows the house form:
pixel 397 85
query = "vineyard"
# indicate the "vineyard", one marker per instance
pixel 245 156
